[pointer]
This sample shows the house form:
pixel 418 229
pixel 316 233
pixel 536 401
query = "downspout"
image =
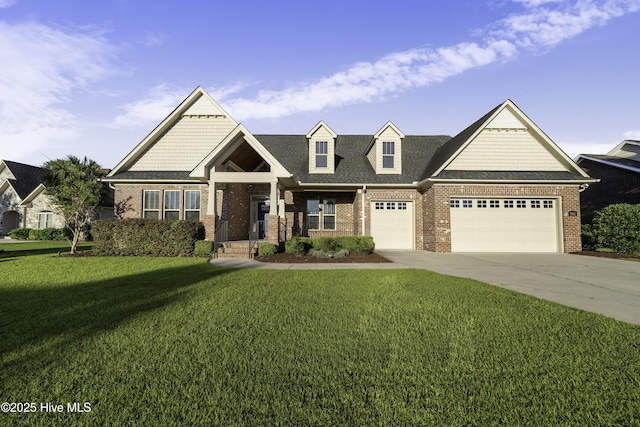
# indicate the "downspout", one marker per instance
pixel 364 192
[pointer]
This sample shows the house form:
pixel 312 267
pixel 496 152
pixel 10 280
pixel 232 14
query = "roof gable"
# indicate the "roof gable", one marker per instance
pixel 23 178
pixel 239 139
pixel 197 125
pixel 504 139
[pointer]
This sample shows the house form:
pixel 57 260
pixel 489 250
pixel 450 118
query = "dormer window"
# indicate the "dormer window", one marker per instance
pixel 322 151
pixel 388 152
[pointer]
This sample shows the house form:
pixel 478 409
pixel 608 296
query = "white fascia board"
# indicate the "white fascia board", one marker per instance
pixel 39 189
pixel 392 126
pixel 164 125
pixel 200 171
pixel 318 126
pixel 355 185
pixel 622 144
pixel 151 181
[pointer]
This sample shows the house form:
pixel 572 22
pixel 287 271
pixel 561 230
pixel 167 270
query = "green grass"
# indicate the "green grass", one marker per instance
pixel 167 341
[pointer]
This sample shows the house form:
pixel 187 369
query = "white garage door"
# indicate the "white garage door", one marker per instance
pixel 392 224
pixel 504 225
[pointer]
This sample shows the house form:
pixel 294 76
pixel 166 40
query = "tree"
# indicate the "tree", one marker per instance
pixel 76 190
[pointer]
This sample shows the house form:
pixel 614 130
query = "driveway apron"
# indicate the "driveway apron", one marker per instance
pixel 601 285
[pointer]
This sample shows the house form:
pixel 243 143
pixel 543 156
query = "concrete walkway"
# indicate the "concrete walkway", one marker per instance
pixel 600 285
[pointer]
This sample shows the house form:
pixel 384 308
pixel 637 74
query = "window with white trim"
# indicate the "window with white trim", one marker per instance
pixel 321 214
pixel 535 204
pixel 379 206
pixel 454 203
pixel 481 203
pixel 151 204
pixel 402 206
pixel 192 204
pixel 388 153
pixel 508 203
pixel 467 204
pixel 45 220
pixel 547 204
pixel 391 206
pixel 494 203
pixel 521 204
pixel 322 150
pixel 172 204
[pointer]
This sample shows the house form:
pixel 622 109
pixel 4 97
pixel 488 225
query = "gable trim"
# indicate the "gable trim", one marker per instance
pixel 202 170
pixel 35 193
pixel 172 118
pixel 608 163
pixel 530 125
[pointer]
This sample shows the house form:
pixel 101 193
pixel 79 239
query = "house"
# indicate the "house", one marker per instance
pixel 499 185
pixel 23 202
pixel 619 175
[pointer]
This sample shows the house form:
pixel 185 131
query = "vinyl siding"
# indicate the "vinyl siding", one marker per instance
pixel 322 134
pixel 506 150
pixel 185 144
pixel 389 135
pixel 505 120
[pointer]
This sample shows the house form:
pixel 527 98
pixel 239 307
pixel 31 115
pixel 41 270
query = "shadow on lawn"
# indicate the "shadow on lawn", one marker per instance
pixel 40 322
pixel 8 253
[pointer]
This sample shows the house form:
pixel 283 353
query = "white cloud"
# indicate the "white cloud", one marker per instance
pixel 43 67
pixel 7 3
pixel 539 27
pixel 158 104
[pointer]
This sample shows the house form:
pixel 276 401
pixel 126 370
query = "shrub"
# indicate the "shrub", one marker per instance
pixel 266 249
pixel 297 245
pixel 325 244
pixel 20 233
pixel 362 244
pixel 139 237
pixel 589 242
pixel 341 253
pixel 203 248
pixel 34 234
pixel 618 227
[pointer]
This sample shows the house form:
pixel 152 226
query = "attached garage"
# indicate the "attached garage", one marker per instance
pixel 392 224
pixel 505 225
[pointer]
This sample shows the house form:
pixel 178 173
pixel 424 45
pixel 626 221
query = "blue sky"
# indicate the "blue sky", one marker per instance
pixel 94 78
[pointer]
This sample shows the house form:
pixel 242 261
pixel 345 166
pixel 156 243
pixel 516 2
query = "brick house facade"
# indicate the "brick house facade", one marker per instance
pixel 501 184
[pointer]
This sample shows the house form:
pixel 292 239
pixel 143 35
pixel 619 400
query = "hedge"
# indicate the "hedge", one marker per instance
pixel 617 227
pixel 41 234
pixel 300 245
pixel 146 237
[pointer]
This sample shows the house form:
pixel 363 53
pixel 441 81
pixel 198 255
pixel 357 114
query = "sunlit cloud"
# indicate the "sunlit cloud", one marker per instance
pixel 42 68
pixel 632 134
pixel 542 25
pixel 7 3
pixel 157 104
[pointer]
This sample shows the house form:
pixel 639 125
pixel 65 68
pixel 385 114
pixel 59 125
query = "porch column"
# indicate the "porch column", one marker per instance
pixel 273 198
pixel 211 205
pixel 273 233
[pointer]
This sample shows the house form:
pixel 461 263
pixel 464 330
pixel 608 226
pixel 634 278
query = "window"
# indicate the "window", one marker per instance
pixel 329 215
pixel 402 206
pixel 454 203
pixel 521 204
pixel 172 204
pixel 467 203
pixel 547 204
pixel 494 203
pixel 388 151
pixel 379 205
pixel 45 220
pixel 151 204
pixel 508 203
pixel 321 154
pixel 391 205
pixel 325 216
pixel 481 203
pixel 192 205
pixel 535 204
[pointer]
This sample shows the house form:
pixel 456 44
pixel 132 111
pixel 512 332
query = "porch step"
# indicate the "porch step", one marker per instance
pixel 239 249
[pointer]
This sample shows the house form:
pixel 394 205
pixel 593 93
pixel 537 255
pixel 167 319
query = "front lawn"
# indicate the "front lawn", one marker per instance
pixel 173 341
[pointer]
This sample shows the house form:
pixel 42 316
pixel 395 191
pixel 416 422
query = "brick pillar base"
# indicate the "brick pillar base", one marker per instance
pixel 273 229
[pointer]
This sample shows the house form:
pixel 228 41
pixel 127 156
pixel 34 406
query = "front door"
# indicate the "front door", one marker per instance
pixel 260 207
pixel 10 221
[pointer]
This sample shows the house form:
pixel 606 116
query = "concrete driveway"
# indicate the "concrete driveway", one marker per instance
pixel 600 285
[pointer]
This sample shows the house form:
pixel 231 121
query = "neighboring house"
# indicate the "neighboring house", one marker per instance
pixel 499 185
pixel 23 202
pixel 619 175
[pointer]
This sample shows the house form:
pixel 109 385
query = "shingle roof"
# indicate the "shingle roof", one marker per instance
pixel 27 177
pixel 614 161
pixel 352 166
pixel 511 175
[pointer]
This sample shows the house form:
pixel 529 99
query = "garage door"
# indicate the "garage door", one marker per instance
pixel 392 224
pixel 504 225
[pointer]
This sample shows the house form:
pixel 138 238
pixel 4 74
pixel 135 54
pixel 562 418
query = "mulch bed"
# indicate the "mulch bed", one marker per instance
pixel 350 258
pixel 608 255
